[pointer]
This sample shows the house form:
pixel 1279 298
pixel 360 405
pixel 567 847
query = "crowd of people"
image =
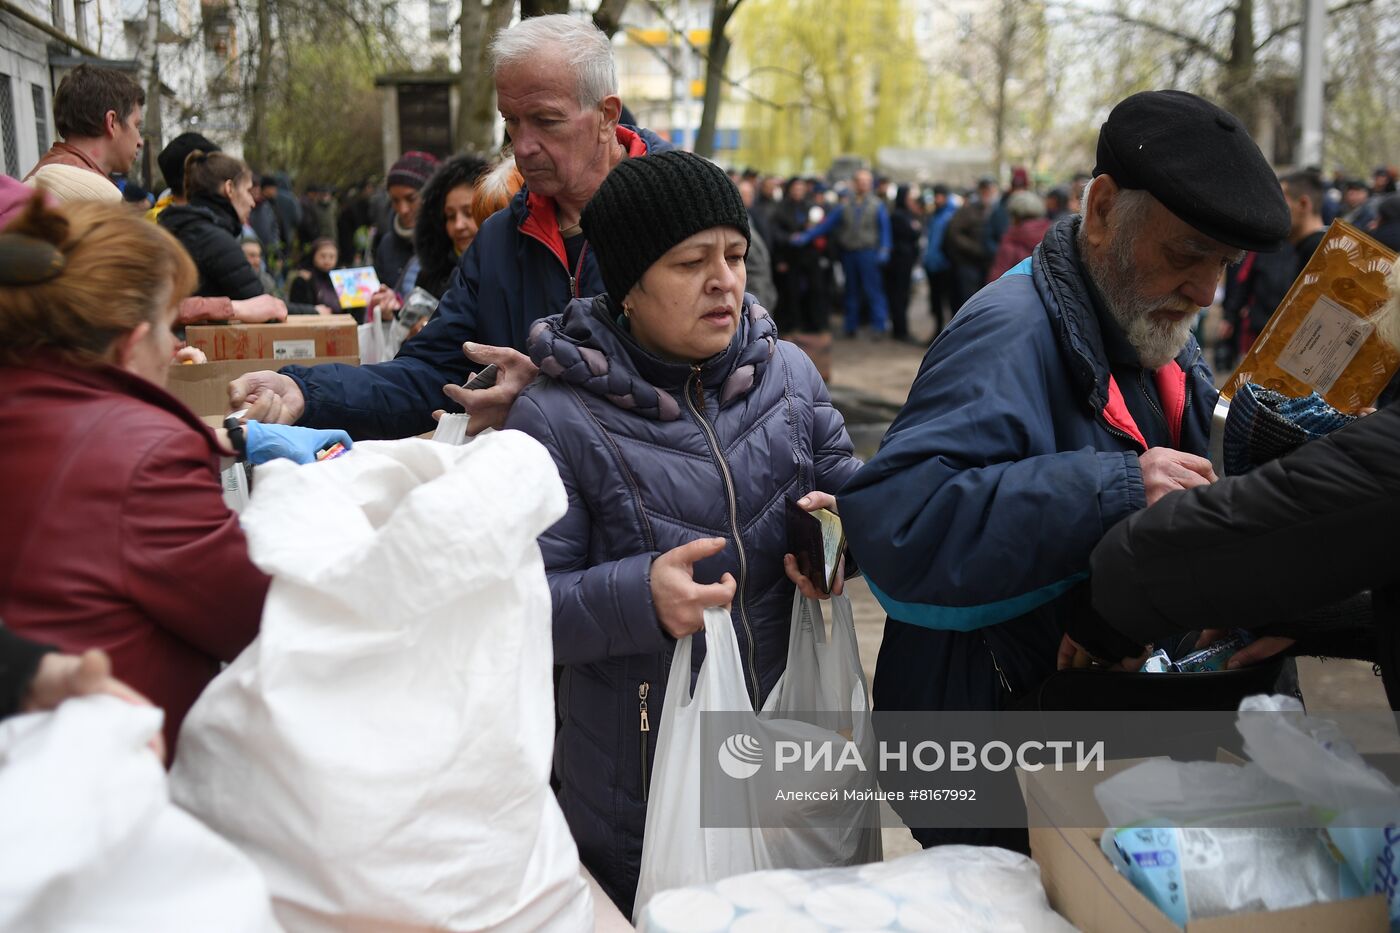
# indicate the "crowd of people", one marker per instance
pixel 1057 429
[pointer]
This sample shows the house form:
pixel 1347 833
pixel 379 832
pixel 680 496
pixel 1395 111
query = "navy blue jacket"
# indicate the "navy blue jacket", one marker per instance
pixel 1013 455
pixel 515 272
pixel 654 455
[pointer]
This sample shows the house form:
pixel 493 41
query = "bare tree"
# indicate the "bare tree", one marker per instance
pixel 255 142
pixel 476 113
pixel 529 8
pixel 716 55
pixel 1228 40
pixel 608 16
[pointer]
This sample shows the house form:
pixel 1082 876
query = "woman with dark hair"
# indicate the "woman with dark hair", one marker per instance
pixel 445 225
pixel 218 200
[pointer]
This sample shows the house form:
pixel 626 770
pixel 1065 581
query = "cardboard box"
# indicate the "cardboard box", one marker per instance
pixel 301 339
pixel 1090 893
pixel 203 387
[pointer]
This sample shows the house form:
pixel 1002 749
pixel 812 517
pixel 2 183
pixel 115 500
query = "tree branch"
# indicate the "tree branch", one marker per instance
pixel 1289 27
pixel 660 11
pixel 1195 43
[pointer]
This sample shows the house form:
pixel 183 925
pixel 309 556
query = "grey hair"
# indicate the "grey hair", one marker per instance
pixel 584 47
pixel 1129 210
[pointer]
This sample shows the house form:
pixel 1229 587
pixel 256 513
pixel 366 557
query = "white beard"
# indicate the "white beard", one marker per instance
pixel 1157 341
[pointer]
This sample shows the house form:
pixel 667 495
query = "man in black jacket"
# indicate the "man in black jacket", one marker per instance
pixel 1267 551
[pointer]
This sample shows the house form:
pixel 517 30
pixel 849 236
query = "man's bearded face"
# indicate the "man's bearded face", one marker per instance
pixel 1157 326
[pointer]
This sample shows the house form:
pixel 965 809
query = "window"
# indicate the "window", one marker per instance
pixel 41 118
pixel 7 127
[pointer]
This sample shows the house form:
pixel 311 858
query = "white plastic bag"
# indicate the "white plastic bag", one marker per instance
pixel 677 850
pixel 383 748
pixel 968 889
pixel 374 341
pixel 89 840
pixel 1320 765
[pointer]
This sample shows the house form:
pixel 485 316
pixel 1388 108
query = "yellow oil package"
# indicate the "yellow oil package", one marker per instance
pixel 1322 338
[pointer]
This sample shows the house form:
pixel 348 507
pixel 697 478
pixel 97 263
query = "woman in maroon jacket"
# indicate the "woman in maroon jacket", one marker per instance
pixel 115 531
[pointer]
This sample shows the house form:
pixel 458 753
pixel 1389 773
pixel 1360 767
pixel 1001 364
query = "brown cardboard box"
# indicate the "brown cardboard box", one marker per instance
pixel 1090 893
pixel 301 338
pixel 203 387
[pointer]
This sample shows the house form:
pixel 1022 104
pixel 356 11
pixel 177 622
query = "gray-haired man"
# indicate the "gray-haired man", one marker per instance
pixel 556 88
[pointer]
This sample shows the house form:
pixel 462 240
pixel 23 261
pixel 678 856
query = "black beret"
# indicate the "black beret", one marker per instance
pixel 1200 163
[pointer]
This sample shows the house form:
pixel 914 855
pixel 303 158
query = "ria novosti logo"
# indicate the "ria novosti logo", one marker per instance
pixel 740 756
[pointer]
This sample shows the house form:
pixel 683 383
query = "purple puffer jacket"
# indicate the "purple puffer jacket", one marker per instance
pixel 653 455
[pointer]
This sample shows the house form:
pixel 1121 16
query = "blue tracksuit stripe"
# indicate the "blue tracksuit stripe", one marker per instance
pixel 971 618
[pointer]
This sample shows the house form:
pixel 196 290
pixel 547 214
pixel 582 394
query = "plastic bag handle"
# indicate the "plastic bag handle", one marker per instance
pixel 721 681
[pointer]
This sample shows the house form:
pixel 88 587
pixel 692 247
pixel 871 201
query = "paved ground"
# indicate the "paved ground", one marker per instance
pixel 869 372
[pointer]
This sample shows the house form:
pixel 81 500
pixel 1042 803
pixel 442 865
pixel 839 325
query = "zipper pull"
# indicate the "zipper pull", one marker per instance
pixel 642 690
pixel 573 287
pixel 699 387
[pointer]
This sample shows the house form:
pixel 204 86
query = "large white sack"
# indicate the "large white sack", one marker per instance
pixel 89 840
pixel 383 749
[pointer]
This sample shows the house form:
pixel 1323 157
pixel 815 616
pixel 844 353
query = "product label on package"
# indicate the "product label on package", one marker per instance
pixel 293 349
pixel 1324 345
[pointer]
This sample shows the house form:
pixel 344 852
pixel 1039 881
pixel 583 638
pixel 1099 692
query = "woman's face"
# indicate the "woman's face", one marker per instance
pixel 148 350
pixel 461 226
pixel 326 257
pixel 240 194
pixel 687 305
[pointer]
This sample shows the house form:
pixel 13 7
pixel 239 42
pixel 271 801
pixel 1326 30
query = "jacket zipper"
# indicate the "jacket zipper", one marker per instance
pixel 1156 409
pixel 1118 432
pixel 733 518
pixel 1005 684
pixel 578 271
pixel 643 729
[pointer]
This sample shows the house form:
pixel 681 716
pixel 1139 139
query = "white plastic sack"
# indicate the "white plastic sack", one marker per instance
pixel 382 750
pixel 677 850
pixel 1319 764
pixel 89 840
pixel 968 889
pixel 374 341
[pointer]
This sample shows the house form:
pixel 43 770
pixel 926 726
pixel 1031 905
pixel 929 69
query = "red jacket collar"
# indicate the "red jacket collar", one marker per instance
pixel 540 221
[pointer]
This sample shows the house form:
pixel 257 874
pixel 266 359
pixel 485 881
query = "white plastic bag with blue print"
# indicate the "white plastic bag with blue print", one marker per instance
pixel 684 844
pixel 1314 758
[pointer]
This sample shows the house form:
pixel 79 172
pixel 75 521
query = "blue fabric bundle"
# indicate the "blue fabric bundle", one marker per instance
pixel 1264 424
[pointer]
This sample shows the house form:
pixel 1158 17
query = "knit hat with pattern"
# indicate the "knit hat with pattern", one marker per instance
pixel 648 204
pixel 413 169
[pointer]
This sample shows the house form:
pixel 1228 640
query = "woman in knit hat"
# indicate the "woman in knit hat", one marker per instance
pixel 394 246
pixel 681 426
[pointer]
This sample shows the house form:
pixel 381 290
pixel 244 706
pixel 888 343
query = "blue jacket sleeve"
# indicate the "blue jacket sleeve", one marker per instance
pixel 823 228
pixel 886 235
pixel 603 610
pixel 833 455
pixel 970 514
pixel 396 398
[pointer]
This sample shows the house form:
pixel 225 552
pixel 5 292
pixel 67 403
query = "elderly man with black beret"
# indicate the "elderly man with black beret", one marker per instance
pixel 1063 397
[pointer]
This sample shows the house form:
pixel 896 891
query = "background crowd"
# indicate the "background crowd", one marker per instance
pixel 604 272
